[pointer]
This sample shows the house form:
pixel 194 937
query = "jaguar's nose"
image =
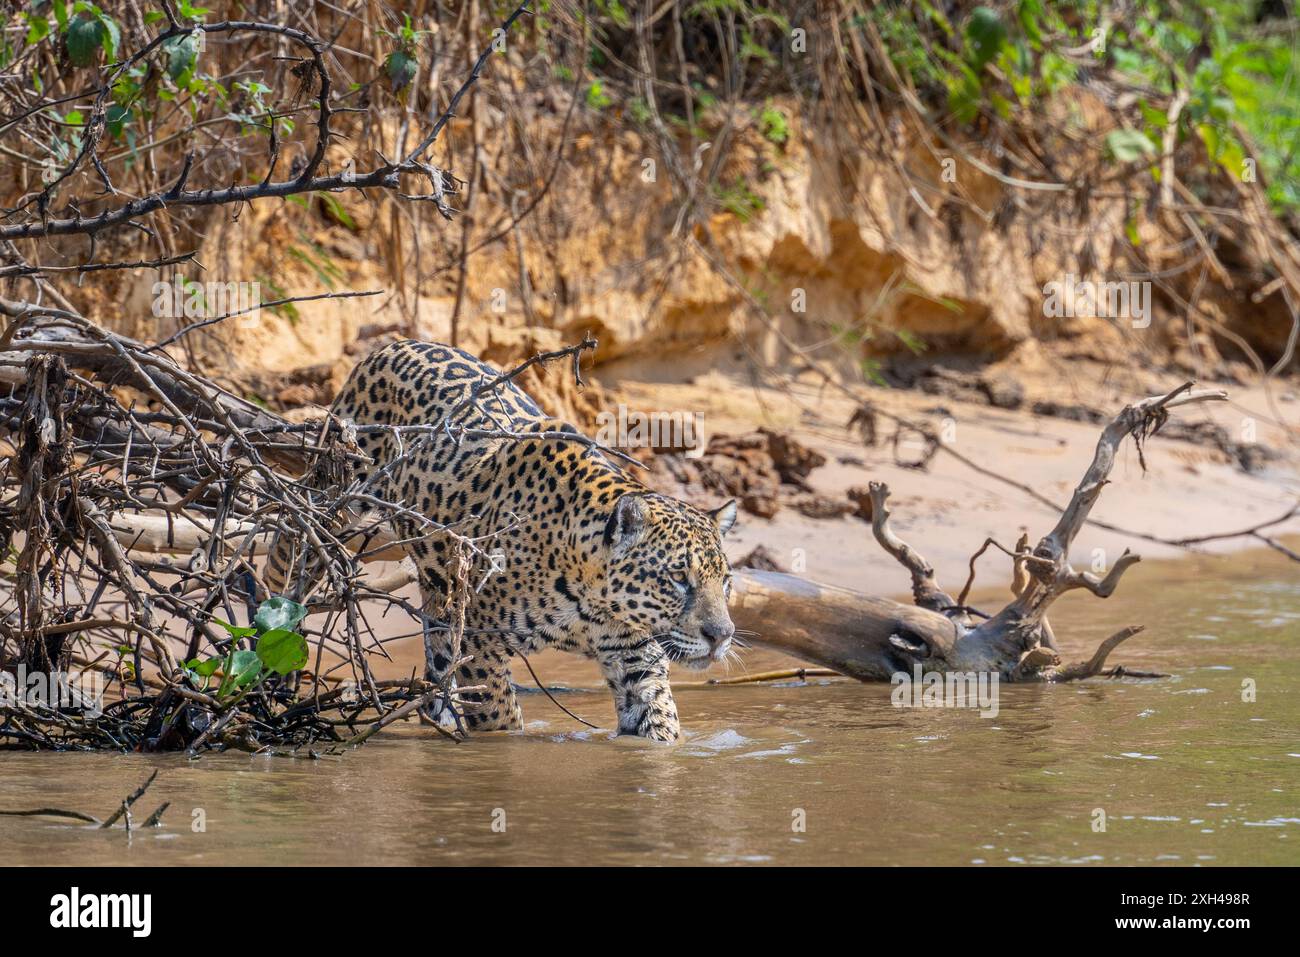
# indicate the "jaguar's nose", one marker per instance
pixel 718 633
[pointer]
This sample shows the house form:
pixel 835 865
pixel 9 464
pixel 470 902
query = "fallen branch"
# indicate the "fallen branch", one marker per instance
pixel 873 638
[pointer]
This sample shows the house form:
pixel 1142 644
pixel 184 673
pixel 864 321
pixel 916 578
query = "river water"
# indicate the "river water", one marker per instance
pixel 828 771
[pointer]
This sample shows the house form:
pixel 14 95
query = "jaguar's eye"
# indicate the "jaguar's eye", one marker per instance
pixel 679 579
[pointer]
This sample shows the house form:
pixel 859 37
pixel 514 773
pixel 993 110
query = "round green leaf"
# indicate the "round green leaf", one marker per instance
pixel 276 613
pixel 245 666
pixel 84 37
pixel 282 651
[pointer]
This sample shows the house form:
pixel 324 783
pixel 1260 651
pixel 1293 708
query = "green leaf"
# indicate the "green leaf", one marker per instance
pixel 336 210
pixel 985 33
pixel 1125 146
pixel 597 98
pixel 233 630
pixel 401 67
pixel 115 118
pixel 111 38
pixel 282 651
pixel 204 669
pixel 85 35
pixel 774 124
pixel 245 666
pixel 278 613
pixel 38 28
pixel 182 54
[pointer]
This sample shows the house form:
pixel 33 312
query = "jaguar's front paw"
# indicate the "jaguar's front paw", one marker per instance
pixel 440 712
pixel 654 718
pixel 666 732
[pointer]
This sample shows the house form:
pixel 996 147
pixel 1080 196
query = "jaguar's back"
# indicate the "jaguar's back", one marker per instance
pixel 417 385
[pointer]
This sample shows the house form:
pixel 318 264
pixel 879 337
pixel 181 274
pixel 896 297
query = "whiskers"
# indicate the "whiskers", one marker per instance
pixel 732 655
pixel 671 643
pixel 695 653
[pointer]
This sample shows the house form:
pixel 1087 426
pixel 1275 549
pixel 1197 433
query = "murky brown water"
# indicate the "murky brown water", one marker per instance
pixel 1186 772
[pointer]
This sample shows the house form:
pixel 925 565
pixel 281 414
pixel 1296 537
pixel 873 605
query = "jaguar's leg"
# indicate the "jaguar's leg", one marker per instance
pixel 493 707
pixel 437 648
pixel 638 678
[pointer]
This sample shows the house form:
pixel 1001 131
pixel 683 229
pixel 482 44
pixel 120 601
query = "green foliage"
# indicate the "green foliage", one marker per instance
pixel 182 55
pixel 597 98
pixel 401 68
pixel 85 37
pixel 402 63
pixel 278 650
pixel 315 258
pixel 738 199
pixel 774 124
pixel 993 60
pixel 1125 146
pixel 985 37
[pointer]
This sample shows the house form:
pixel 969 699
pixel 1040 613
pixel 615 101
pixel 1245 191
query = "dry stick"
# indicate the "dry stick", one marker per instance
pixel 125 809
pixel 204 323
pixel 54 812
pixel 785 675
pixel 209 731
pixel 397 714
pixel 925 590
pixel 970 578
pixel 1098 660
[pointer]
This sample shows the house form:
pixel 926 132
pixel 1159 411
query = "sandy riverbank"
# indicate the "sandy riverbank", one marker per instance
pixel 947 511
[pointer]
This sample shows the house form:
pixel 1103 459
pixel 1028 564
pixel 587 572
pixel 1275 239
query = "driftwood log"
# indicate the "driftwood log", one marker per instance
pixel 873 638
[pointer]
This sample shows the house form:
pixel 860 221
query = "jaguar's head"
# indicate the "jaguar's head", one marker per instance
pixel 667 575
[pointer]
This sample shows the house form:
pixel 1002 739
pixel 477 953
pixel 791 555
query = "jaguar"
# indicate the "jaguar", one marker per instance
pixel 571 551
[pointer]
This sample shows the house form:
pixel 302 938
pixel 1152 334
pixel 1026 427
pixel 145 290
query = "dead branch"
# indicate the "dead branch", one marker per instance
pixel 871 638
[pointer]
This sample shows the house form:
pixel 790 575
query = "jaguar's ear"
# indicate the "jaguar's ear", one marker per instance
pixel 724 516
pixel 627 523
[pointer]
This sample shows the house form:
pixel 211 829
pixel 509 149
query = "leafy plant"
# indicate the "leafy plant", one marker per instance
pixel 403 63
pixel 597 98
pixel 278 649
pixel 738 199
pixel 775 126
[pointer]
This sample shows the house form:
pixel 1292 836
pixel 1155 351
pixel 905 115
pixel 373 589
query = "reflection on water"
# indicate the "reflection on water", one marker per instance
pixel 1185 771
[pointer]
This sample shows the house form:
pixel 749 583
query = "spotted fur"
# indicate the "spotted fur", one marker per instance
pixel 589 560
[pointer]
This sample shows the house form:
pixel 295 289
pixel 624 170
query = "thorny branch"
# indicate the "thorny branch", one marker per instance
pixel 122 456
